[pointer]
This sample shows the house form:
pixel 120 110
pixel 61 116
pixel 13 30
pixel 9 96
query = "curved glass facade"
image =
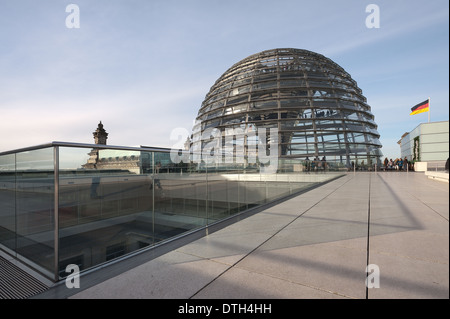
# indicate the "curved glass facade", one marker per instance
pixel 315 106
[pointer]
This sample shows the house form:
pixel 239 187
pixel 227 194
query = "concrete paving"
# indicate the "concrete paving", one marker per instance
pixel 316 246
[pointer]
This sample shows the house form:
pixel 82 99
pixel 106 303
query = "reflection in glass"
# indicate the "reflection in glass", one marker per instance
pixel 7 201
pixel 105 202
pixel 35 207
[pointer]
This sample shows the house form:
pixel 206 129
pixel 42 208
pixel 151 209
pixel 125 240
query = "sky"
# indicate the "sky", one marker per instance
pixel 143 67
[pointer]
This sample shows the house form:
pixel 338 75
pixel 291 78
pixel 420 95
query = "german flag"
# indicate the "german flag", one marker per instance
pixel 421 107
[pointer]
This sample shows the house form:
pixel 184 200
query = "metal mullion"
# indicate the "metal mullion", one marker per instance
pixel 56 210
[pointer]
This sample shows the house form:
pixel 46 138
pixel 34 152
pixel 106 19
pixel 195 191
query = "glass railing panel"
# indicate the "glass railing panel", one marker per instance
pixel 277 186
pixel 35 207
pixel 180 197
pixel 253 188
pixel 236 192
pixel 8 201
pixel 222 195
pixel 114 201
pixel 105 205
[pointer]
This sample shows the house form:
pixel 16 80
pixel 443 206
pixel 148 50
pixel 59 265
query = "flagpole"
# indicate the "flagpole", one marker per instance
pixel 429 109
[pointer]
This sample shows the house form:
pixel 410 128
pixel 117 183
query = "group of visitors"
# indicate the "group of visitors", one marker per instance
pixel 315 165
pixel 398 164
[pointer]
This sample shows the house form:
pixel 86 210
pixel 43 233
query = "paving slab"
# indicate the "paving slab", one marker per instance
pixel 238 283
pixel 409 236
pixel 174 275
pixel 325 267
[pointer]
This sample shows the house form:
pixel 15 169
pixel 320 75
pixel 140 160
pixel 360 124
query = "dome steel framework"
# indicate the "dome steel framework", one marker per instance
pixel 315 105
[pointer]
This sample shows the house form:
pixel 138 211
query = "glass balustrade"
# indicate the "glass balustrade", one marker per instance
pixel 87 205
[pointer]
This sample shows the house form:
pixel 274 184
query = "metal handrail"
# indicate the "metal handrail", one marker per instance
pixel 26 149
pixel 86 145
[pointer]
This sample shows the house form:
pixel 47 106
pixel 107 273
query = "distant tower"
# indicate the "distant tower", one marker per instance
pixel 100 135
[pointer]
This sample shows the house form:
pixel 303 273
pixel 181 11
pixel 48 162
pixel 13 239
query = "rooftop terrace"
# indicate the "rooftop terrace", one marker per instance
pixel 316 245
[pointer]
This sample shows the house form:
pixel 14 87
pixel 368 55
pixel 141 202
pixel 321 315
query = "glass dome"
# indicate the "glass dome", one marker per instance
pixel 315 106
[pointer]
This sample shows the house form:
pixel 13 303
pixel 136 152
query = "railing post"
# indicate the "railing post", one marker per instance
pixel 153 197
pixel 56 210
pixel 207 197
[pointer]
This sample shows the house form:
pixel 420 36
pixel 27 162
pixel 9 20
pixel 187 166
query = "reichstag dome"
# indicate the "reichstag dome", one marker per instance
pixel 315 105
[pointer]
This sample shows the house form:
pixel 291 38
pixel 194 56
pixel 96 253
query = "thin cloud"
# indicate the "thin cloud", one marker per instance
pixel 390 28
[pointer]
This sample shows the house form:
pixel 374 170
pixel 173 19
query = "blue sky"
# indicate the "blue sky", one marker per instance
pixel 144 67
